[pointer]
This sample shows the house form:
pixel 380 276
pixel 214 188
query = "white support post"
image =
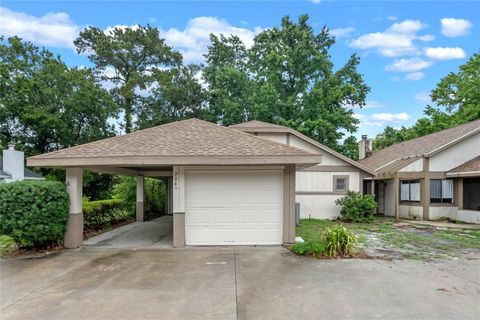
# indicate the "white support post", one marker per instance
pixel 74 235
pixel 140 198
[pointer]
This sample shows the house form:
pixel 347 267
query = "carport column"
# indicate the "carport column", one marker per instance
pixel 178 195
pixel 140 198
pixel 74 235
pixel 426 189
pixel 289 204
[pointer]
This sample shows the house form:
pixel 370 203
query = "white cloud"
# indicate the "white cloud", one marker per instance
pixel 408 65
pixel 315 1
pixel 414 76
pixel 371 104
pixel 395 41
pixel 392 18
pixel 406 26
pixel 426 37
pixel 381 119
pixel 341 32
pixel 452 27
pixel 192 42
pixel 441 53
pixel 422 96
pixel 52 29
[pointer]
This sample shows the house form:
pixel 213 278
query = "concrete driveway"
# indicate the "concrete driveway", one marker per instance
pixel 234 283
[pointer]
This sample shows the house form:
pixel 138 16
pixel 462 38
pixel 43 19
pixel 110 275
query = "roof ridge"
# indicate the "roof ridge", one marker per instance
pixel 427 135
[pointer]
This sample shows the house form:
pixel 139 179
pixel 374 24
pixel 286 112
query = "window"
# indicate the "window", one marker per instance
pixel 441 190
pixel 410 191
pixel 340 183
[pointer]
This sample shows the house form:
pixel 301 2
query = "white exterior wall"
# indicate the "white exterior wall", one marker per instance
pixel 456 155
pixel 321 206
pixel 411 212
pixel 318 206
pixel 315 181
pixel 416 166
pixel 443 212
pixel 327 159
pixel 470 216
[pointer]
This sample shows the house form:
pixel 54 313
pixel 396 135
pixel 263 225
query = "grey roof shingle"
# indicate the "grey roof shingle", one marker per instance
pixel 256 124
pixel 419 146
pixel 469 166
pixel 187 138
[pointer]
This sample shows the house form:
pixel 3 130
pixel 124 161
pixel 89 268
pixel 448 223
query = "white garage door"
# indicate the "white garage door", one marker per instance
pixel 234 208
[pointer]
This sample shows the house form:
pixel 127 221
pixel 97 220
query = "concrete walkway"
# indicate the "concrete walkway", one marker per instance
pixel 233 283
pixel 154 234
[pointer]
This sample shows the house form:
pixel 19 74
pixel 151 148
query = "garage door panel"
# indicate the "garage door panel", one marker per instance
pixel 242 208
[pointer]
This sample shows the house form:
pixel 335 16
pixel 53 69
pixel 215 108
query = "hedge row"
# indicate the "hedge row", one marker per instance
pixel 34 213
pixel 102 214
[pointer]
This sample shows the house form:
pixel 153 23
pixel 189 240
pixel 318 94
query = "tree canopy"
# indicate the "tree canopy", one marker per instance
pixel 457 97
pixel 46 105
pixel 130 58
pixel 287 77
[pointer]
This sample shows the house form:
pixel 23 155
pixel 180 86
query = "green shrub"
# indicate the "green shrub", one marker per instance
pixel 125 189
pixel 339 241
pixel 102 214
pixel 309 248
pixel 34 213
pixel 356 208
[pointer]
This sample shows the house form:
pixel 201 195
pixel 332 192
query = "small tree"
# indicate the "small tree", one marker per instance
pixel 356 207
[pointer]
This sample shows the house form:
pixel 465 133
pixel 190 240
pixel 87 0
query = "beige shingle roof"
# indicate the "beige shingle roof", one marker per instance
pixel 420 146
pixel 184 139
pixel 256 124
pixel 469 166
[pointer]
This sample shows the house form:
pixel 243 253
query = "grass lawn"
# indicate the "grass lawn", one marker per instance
pixel 7 245
pixel 416 242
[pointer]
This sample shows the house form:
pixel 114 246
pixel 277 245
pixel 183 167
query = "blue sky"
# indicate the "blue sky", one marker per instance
pixel 405 47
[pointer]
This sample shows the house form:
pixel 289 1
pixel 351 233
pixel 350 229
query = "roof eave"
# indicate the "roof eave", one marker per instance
pixel 177 160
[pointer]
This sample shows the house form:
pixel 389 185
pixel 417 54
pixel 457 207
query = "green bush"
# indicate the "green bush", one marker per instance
pixel 309 248
pixel 339 241
pixel 34 213
pixel 102 214
pixel 356 207
pixel 125 189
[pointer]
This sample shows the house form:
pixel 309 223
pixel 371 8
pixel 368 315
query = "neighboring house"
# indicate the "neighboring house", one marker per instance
pixel 430 177
pixel 12 166
pixel 317 187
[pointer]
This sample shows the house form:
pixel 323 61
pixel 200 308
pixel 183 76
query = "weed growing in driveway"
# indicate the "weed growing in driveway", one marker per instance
pixel 335 241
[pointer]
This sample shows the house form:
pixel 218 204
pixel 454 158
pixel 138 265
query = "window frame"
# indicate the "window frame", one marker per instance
pixel 347 183
pixel 452 199
pixel 409 182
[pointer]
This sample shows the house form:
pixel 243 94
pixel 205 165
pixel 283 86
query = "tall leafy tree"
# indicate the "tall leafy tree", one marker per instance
pixel 178 95
pixel 457 97
pixel 128 57
pixel 286 77
pixel 45 105
pixel 230 88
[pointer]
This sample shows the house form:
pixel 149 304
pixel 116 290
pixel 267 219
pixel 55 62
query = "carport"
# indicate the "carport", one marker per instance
pixel 226 187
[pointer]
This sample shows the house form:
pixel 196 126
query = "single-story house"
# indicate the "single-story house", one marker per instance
pixel 427 178
pixel 12 166
pixel 316 187
pixel 228 187
pixel 235 185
